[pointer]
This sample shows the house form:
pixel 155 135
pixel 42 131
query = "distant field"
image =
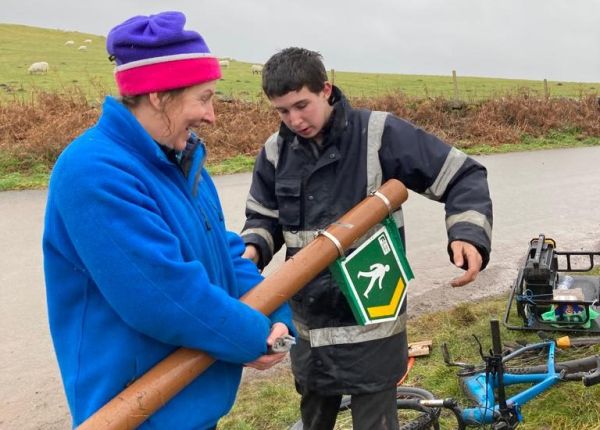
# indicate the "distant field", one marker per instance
pixel 91 72
pixel 20 46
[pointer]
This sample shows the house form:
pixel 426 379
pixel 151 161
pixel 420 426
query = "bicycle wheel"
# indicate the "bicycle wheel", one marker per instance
pixel 412 414
pixel 572 369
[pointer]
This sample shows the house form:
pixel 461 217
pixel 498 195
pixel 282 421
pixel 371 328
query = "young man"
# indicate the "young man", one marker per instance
pixel 326 158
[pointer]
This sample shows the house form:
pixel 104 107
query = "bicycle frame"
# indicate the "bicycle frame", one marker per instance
pixel 481 387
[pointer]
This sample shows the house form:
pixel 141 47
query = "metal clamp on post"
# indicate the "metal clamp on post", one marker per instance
pixel 334 240
pixel 282 344
pixel 384 199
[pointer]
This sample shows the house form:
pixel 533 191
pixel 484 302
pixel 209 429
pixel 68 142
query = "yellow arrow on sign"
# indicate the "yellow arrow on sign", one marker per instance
pixel 390 308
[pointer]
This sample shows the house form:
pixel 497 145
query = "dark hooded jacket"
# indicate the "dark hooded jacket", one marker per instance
pixel 299 187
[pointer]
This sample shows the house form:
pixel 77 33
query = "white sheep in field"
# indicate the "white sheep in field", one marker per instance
pixel 82 48
pixel 69 42
pixel 224 63
pixel 87 41
pixel 41 67
pixel 256 69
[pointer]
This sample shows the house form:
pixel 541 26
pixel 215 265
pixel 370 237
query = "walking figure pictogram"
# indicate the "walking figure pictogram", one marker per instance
pixel 377 273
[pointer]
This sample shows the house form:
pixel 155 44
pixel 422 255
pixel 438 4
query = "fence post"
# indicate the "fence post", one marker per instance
pixel 332 77
pixel 546 92
pixel 455 81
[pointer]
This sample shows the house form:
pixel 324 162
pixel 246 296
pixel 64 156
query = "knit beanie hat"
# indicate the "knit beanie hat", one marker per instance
pixel 154 53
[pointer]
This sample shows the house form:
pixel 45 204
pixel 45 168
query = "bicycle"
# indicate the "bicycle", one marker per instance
pixel 485 385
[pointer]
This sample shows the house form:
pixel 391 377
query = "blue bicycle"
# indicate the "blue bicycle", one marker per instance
pixel 485 385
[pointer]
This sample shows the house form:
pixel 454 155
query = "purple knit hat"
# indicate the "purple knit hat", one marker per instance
pixel 154 53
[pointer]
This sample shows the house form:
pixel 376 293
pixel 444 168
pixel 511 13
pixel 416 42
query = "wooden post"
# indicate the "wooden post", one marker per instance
pixel 155 388
pixel 455 82
pixel 332 77
pixel 546 92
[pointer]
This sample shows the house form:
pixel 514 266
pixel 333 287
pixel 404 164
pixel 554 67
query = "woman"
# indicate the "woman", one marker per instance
pixel 137 259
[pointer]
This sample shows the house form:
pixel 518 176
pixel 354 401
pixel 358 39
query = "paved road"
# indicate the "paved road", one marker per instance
pixel 556 192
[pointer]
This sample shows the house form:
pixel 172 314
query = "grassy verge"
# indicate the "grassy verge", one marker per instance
pixel 553 140
pixel 11 178
pixel 237 164
pixel 21 181
pixel 265 404
pixel 270 404
pixel 38 176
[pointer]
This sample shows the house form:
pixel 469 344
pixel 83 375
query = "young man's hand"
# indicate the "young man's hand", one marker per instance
pixel 269 360
pixel 465 256
pixel 251 253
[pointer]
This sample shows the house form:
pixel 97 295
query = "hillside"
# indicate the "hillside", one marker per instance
pixel 91 72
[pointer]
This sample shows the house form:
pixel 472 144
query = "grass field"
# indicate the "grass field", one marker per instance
pixel 22 45
pixel 93 72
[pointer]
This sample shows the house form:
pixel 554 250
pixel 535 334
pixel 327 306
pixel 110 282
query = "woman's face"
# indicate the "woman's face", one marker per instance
pixel 190 109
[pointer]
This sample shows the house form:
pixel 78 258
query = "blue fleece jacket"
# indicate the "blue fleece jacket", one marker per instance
pixel 138 263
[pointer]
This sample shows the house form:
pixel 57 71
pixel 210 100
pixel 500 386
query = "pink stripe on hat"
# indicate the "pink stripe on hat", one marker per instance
pixel 168 75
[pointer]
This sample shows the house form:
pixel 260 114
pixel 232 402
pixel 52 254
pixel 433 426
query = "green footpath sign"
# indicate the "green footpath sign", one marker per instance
pixel 374 277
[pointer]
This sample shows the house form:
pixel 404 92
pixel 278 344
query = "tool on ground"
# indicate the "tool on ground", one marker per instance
pixel 567 341
pixel 415 349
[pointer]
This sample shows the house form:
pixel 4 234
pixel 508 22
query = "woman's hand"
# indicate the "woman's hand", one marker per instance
pixel 251 253
pixel 267 361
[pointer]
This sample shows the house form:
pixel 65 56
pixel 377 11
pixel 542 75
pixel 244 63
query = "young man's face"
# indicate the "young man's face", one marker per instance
pixel 304 112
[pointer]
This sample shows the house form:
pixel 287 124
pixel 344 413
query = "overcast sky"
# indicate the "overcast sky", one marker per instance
pixel 531 39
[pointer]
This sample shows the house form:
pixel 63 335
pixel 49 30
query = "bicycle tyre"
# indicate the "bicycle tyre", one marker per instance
pixel 570 366
pixel 425 418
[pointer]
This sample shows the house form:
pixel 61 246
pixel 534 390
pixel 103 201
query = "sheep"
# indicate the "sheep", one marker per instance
pixel 224 63
pixel 87 41
pixel 82 48
pixel 69 42
pixel 40 67
pixel 256 69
